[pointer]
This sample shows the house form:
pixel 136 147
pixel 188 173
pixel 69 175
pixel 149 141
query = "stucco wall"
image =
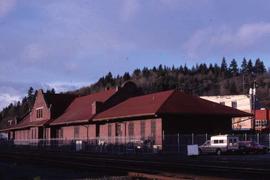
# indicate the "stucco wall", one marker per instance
pixel 243 104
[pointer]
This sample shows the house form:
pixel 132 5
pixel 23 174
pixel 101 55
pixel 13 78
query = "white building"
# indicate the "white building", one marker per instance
pixel 241 102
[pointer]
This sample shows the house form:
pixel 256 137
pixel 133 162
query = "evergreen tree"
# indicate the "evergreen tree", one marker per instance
pixel 108 80
pixel 224 66
pixel 145 72
pixel 53 91
pixel 250 67
pixel 30 92
pixel 259 67
pixel 30 97
pixel 126 76
pixel 233 88
pixel 136 72
pixel 233 68
pixel 244 66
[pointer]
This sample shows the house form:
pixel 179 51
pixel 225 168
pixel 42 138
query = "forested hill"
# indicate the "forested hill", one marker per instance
pixel 226 78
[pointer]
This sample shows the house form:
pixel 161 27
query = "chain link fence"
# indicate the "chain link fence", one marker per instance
pixel 176 143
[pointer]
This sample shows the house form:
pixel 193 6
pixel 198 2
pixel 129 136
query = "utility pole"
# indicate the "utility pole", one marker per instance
pixel 252 93
pixel 243 84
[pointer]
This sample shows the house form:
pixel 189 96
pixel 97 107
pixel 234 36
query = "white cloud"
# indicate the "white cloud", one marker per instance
pixel 226 40
pixel 6 99
pixel 6 6
pixel 65 86
pixel 12 92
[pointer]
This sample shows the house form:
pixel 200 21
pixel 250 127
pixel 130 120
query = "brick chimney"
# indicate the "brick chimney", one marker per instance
pixel 96 107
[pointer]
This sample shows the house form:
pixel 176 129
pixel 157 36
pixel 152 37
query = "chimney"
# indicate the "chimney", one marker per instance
pixel 96 107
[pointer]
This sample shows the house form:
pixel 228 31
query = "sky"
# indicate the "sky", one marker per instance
pixel 66 44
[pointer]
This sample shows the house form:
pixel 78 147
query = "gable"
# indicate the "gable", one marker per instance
pixel 40 110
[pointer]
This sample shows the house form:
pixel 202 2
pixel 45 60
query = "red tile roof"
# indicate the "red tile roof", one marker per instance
pixel 58 103
pixel 167 102
pixel 181 103
pixel 26 123
pixel 80 110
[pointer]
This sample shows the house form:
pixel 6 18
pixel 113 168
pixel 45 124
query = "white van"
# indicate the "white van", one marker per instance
pixel 220 144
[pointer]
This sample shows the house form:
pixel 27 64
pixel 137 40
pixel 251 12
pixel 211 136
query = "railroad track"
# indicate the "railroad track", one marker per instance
pixel 155 159
pixel 153 166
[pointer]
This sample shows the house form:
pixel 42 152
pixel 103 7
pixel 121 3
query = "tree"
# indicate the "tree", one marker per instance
pixel 109 79
pixel 126 76
pixel 244 66
pixel 233 88
pixel 53 91
pixel 185 70
pixel 223 66
pixel 31 96
pixel 250 67
pixel 30 92
pixel 145 72
pixel 259 67
pixel 137 72
pixel 233 68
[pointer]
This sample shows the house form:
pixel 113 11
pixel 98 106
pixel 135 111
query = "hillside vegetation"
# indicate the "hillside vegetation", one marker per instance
pixel 228 78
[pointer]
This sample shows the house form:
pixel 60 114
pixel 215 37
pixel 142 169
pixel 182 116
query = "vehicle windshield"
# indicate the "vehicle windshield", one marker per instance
pixel 207 142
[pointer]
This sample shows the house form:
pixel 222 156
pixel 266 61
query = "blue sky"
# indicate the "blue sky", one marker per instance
pixel 66 44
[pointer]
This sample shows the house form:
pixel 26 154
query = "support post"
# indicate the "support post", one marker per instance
pixel 178 143
pixel 269 140
pixel 192 138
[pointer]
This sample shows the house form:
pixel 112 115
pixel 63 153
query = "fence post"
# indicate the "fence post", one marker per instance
pixel 178 143
pixel 192 138
pixel 269 140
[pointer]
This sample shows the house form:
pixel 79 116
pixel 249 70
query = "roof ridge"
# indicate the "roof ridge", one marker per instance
pixel 173 91
pixel 151 94
pixel 94 93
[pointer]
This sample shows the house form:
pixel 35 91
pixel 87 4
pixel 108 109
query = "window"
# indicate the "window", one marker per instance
pixel 109 130
pixel 261 123
pixel 215 141
pixel 118 129
pixel 234 104
pixel 39 113
pixel 76 132
pixel 221 141
pixel 153 128
pixel 142 129
pixel 222 103
pixel 131 129
pixel 61 133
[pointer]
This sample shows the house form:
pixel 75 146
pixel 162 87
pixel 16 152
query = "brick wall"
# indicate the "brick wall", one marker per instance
pixel 21 134
pixel 40 103
pixel 137 131
pixel 68 132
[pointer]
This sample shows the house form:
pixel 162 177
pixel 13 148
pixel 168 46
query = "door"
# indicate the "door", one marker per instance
pixel 118 132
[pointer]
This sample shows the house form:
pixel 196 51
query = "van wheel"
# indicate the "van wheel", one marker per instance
pixel 218 152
